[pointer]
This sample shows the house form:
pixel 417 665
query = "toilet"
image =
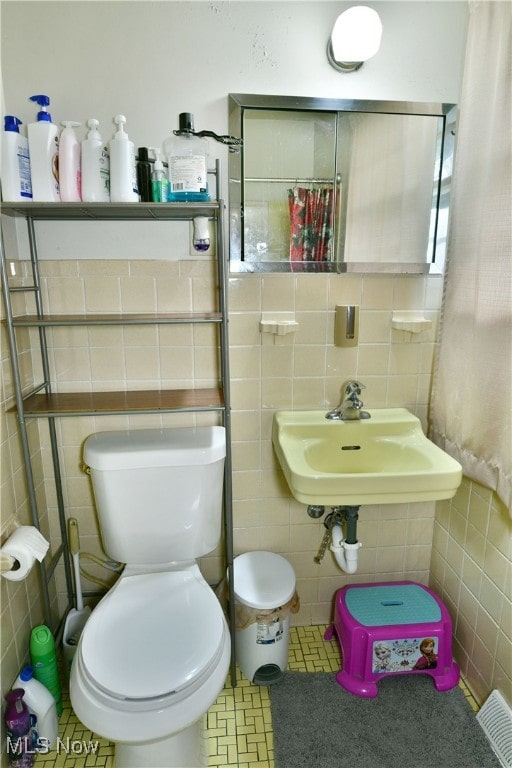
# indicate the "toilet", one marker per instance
pixel 155 652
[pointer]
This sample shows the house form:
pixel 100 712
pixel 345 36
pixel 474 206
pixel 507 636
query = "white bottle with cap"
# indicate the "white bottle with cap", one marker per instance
pixel 43 144
pixel 70 176
pixel 16 180
pixel 40 703
pixel 95 166
pixel 123 175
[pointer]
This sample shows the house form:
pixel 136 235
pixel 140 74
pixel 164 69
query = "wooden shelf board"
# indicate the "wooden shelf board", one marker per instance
pixel 138 401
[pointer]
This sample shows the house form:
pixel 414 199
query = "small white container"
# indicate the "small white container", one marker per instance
pixel 43 144
pixel 70 177
pixel 123 174
pixel 41 703
pixel 95 167
pixel 16 179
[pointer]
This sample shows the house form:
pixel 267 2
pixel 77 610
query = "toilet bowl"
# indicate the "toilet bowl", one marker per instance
pixel 155 652
pixel 146 667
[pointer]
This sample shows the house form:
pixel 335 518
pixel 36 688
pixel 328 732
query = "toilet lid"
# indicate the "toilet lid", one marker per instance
pixel 152 635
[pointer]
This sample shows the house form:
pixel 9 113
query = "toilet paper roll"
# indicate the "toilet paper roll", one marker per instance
pixel 25 545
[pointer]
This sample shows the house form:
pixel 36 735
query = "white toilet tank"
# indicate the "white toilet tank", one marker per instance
pixel 158 492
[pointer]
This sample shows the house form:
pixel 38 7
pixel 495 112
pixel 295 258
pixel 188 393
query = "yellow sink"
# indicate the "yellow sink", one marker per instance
pixel 386 459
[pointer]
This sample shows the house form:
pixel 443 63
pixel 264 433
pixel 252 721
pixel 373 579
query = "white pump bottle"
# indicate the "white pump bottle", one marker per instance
pixel 70 176
pixel 95 167
pixel 43 144
pixel 123 175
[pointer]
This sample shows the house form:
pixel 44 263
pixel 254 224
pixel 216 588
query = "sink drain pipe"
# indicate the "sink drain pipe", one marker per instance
pixel 345 549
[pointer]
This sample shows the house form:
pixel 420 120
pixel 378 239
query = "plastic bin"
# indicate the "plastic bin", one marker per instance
pixel 264 587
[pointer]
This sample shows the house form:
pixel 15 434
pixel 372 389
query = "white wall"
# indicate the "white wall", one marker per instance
pixel 153 60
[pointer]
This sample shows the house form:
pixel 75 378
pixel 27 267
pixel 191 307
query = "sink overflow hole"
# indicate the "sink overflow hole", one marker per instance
pixel 350 447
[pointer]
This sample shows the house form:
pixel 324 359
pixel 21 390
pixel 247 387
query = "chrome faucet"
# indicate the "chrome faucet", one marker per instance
pixel 351 407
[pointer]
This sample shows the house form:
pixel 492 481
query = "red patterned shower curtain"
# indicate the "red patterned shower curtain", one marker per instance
pixel 310 223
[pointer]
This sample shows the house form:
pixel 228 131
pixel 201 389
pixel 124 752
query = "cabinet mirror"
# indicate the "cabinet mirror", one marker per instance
pixel 331 185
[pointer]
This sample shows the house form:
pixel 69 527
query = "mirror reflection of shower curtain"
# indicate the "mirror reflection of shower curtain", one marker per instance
pixel 311 223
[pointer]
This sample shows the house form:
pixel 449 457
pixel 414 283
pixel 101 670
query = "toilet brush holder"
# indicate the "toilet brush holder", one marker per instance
pixel 77 617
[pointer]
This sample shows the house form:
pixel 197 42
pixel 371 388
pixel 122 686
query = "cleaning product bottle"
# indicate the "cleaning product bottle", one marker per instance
pixel 70 176
pixel 40 703
pixel 43 145
pixel 187 163
pixel 95 167
pixel 19 738
pixel 144 175
pixel 16 180
pixel 44 661
pixel 123 176
pixel 159 181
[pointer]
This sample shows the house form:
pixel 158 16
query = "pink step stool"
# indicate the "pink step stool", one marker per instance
pixel 392 628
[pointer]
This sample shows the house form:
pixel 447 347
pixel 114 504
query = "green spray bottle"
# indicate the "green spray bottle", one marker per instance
pixel 44 661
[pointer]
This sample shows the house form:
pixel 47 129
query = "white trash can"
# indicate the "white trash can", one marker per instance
pixel 264 587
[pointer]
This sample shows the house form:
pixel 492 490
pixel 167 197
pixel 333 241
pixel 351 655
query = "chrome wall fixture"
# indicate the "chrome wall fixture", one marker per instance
pixel 354 39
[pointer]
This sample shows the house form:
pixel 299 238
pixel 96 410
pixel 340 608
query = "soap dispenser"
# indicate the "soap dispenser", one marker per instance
pixel 43 145
pixel 95 166
pixel 123 174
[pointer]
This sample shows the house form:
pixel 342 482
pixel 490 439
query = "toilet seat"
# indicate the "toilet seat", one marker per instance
pixel 127 662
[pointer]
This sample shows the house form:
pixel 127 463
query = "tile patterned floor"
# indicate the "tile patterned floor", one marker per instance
pixel 239 723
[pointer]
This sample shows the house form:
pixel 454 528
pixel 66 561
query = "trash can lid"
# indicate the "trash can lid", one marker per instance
pixel 263 580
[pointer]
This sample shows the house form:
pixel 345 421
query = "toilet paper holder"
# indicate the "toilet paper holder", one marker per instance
pixel 8 563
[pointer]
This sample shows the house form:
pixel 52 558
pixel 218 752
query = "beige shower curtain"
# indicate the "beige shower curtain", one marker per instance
pixel 471 400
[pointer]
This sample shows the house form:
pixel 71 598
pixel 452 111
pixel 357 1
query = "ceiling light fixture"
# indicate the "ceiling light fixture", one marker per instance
pixel 354 39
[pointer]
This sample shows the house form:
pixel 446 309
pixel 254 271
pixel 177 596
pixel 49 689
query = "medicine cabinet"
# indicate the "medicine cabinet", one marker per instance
pixel 331 185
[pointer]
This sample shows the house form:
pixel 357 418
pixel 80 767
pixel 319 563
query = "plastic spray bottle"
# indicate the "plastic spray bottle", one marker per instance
pixel 16 180
pixel 187 163
pixel 40 703
pixel 123 175
pixel 20 748
pixel 95 167
pixel 44 661
pixel 70 175
pixel 43 144
pixel 159 181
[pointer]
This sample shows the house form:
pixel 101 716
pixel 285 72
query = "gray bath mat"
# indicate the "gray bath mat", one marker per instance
pixel 317 724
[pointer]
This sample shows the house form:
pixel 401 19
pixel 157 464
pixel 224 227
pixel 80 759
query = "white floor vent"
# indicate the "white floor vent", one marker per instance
pixel 495 717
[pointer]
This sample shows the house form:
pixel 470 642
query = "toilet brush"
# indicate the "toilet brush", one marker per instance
pixel 77 617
